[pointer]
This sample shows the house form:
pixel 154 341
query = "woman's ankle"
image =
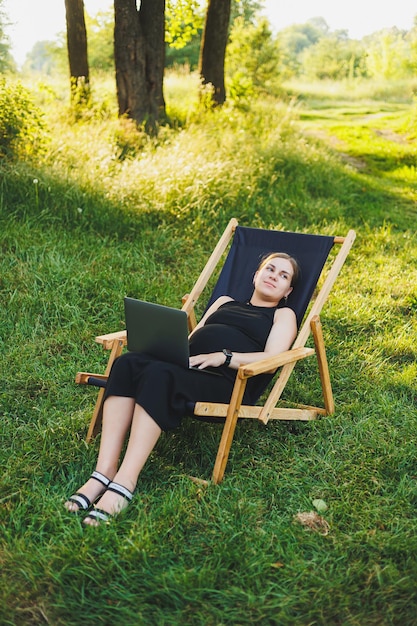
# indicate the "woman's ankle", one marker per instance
pixel 125 480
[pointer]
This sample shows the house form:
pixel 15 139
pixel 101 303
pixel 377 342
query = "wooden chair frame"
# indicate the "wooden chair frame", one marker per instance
pixel 230 413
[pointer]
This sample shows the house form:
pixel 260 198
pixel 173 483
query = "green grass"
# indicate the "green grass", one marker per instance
pixel 110 212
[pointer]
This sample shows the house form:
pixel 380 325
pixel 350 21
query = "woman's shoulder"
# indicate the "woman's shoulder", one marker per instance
pixel 283 314
pixel 214 306
pixel 221 300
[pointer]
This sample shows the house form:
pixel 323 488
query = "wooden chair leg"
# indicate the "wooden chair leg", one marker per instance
pixel 96 420
pixel 95 424
pixel 229 430
pixel 326 384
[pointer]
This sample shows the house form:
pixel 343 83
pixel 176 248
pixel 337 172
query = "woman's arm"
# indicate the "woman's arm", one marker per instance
pixel 280 338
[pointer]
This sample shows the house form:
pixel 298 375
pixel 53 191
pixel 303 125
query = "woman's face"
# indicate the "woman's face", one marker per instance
pixel 272 281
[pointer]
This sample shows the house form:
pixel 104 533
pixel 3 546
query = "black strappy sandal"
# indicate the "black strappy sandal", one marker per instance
pixel 101 516
pixel 84 504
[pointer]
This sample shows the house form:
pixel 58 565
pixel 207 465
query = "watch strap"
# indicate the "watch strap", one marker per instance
pixel 228 355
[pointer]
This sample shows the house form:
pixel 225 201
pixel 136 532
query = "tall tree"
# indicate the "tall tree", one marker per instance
pixel 213 47
pixel 77 50
pixel 139 50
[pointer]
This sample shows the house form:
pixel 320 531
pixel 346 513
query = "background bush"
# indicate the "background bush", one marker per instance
pixel 22 126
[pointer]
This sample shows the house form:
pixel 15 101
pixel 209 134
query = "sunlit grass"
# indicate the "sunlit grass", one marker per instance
pixel 110 212
pixel 181 92
pixel 368 92
pixel 376 138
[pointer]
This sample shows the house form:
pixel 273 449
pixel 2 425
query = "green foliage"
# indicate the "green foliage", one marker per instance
pixel 388 54
pixel 311 50
pixel 51 57
pixel 252 61
pixel 412 39
pixel 293 41
pixel 184 21
pixel 6 61
pixel 80 96
pixel 46 57
pixel 84 228
pixel 100 29
pixel 22 127
pixel 333 57
pixel 187 56
pixel 248 10
pixel 182 94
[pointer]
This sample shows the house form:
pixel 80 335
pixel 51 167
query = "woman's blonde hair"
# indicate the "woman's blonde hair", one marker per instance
pixel 283 255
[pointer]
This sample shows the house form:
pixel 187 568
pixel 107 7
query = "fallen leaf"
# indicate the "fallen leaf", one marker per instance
pixel 312 521
pixel 199 481
pixel 320 505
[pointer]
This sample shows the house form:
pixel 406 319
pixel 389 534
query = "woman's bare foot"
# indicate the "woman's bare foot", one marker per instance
pixel 84 499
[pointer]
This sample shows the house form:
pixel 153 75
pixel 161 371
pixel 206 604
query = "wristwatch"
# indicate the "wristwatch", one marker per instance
pixel 228 356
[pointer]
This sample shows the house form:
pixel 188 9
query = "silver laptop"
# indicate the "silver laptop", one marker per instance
pixel 158 330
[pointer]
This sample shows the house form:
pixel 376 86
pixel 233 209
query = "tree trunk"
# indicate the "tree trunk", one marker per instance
pixel 213 47
pixel 77 51
pixel 139 51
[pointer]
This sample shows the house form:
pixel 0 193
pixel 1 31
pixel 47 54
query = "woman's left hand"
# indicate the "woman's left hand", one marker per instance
pixel 213 359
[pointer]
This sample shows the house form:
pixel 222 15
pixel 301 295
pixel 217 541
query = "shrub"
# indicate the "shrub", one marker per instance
pixel 252 61
pixel 22 128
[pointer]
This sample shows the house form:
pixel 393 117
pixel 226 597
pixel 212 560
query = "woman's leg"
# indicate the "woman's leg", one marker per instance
pixel 117 419
pixel 144 434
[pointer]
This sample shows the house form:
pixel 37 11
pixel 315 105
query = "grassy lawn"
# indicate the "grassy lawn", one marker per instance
pixel 108 212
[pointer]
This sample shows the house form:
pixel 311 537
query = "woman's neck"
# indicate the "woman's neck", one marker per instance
pixel 257 301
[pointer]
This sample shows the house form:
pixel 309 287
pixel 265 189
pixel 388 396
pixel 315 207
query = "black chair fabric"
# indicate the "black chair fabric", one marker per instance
pixel 248 248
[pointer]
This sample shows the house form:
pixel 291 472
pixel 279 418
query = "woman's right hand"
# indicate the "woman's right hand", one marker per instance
pixel 212 359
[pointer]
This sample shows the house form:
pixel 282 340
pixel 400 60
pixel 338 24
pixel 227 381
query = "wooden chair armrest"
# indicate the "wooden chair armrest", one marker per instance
pixel 107 340
pixel 192 321
pixel 81 378
pixel 272 363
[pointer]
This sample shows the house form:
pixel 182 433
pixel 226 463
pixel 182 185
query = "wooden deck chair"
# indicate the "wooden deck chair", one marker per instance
pixel 248 247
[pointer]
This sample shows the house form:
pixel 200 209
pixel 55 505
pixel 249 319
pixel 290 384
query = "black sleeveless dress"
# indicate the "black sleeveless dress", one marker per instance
pixel 165 390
